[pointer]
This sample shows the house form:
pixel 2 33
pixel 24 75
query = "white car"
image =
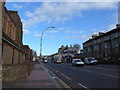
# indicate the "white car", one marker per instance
pixel 77 62
pixel 90 61
pixel 45 61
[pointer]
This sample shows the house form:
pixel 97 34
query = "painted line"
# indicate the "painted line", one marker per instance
pixel 101 74
pixel 83 86
pixel 85 70
pixel 66 76
pixel 56 70
pixel 104 68
pixel 59 80
pixel 110 75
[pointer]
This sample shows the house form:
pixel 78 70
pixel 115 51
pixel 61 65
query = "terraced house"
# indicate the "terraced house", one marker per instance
pixel 104 46
pixel 16 57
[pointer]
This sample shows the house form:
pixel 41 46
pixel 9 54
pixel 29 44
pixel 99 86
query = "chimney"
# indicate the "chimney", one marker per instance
pixel 94 35
pixel 118 25
pixel 101 33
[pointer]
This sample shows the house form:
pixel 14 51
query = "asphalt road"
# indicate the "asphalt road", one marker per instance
pixel 87 77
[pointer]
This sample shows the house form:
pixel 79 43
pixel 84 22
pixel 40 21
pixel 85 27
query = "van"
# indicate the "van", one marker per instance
pixel 77 62
pixel 90 61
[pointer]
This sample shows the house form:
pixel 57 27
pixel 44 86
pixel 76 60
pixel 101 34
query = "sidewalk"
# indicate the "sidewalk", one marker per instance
pixel 39 78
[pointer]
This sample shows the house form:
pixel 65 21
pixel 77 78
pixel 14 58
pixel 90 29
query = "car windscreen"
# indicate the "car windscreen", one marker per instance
pixel 91 59
pixel 77 60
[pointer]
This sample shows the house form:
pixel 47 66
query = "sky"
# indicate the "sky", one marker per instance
pixel 74 22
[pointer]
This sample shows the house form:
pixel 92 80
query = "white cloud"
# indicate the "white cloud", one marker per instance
pixel 74 31
pixel 83 37
pixel 46 36
pixel 61 12
pixel 112 26
pixel 62 28
pixel 26 31
pixel 37 35
pixel 17 6
pixel 52 31
pixel 49 37
pixel 62 0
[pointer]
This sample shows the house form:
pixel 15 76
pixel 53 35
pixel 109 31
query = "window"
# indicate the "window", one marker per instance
pixel 116 43
pixel 118 33
pixel 107 37
pixel 105 45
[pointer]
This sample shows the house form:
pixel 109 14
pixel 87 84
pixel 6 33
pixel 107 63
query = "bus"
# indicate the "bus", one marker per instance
pixel 57 59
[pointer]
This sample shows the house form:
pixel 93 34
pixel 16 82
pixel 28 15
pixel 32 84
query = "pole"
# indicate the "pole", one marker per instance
pixel 41 41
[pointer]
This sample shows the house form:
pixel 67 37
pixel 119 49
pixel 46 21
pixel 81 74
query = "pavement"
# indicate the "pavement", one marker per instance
pixel 39 78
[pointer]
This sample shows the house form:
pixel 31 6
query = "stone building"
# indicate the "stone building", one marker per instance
pixel 68 51
pixel 15 56
pixel 104 46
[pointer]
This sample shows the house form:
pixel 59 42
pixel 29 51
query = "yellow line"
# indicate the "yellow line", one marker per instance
pixel 61 81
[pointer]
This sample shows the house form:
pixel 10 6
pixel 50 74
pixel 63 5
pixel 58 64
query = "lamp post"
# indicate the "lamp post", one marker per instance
pixel 41 40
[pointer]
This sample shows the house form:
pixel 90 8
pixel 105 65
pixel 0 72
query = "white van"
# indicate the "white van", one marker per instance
pixel 77 62
pixel 90 61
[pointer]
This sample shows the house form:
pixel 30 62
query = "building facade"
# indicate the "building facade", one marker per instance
pixel 104 46
pixel 15 57
pixel 68 51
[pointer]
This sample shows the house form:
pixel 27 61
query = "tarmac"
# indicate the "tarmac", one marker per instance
pixel 40 78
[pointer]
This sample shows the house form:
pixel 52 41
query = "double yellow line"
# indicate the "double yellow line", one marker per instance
pixel 61 81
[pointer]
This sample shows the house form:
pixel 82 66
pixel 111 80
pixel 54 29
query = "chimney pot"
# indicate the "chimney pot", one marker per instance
pixel 118 25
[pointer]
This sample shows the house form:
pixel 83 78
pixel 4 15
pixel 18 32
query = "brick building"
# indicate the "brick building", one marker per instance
pixel 16 57
pixel 104 46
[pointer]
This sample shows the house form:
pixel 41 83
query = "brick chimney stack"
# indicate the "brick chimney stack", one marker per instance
pixel 118 25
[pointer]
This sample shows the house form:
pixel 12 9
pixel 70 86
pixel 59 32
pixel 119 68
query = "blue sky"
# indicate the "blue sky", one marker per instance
pixel 74 22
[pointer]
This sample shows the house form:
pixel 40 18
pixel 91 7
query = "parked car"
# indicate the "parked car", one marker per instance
pixel 90 61
pixel 77 62
pixel 45 61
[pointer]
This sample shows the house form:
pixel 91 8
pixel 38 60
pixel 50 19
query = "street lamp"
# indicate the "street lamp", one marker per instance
pixel 41 40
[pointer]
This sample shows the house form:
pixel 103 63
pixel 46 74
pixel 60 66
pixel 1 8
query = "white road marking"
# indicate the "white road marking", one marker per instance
pixel 104 68
pixel 66 76
pixel 56 70
pixel 102 74
pixel 109 75
pixel 86 70
pixel 83 86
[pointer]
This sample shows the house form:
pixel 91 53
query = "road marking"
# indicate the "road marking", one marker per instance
pixel 102 74
pixel 56 70
pixel 66 76
pixel 109 75
pixel 104 68
pixel 83 86
pixel 59 80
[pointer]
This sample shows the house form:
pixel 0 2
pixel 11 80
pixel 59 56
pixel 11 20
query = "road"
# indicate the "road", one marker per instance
pixel 87 77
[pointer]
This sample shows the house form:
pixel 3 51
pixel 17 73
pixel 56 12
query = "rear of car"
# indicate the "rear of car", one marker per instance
pixel 45 61
pixel 90 61
pixel 77 62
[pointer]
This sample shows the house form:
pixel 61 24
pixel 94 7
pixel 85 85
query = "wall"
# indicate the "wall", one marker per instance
pixel 12 72
pixel 0 44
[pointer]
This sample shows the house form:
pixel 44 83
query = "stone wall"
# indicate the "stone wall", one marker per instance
pixel 12 72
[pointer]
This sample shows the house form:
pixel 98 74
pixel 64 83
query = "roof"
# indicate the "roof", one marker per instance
pixel 107 33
